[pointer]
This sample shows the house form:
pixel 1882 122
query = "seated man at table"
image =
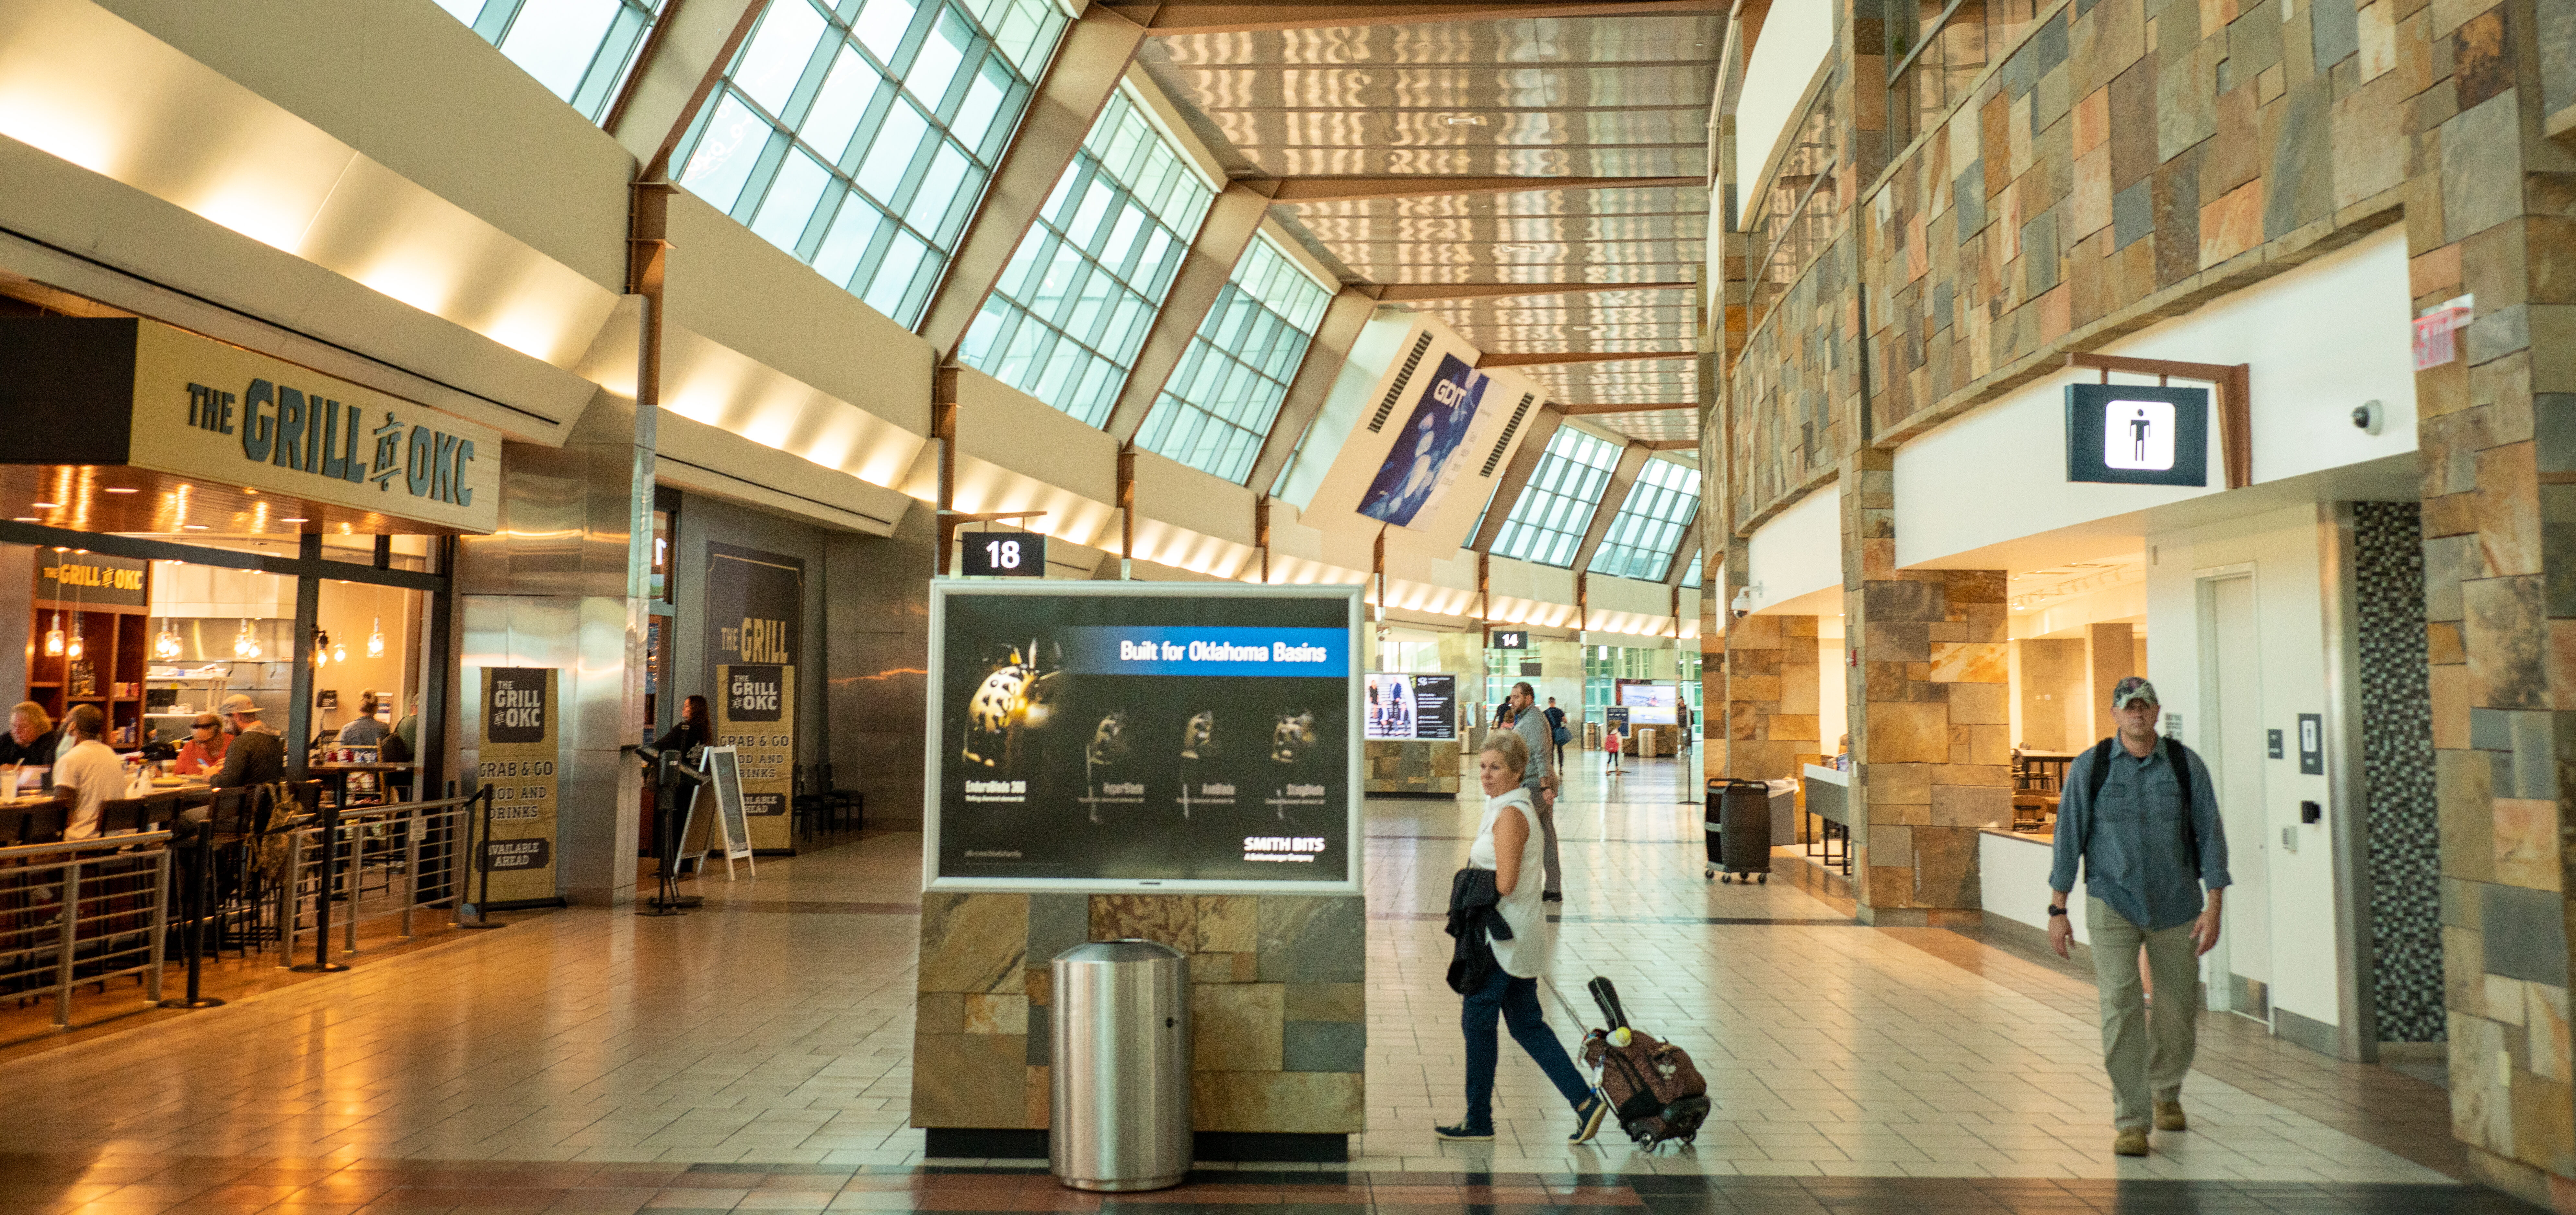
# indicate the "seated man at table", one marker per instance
pixel 90 771
pixel 204 750
pixel 256 755
pixel 30 739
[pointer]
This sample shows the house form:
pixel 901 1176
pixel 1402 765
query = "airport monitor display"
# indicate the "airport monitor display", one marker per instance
pixel 1410 707
pixel 1127 736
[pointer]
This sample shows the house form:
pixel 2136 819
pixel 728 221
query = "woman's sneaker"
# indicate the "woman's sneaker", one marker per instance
pixel 1463 1133
pixel 1587 1118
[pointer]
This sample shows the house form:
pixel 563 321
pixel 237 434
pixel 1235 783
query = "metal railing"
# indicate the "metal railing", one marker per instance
pixel 83 912
pixel 365 863
pixel 86 912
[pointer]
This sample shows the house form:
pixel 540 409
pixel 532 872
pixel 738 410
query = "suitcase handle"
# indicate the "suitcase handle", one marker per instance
pixel 1607 997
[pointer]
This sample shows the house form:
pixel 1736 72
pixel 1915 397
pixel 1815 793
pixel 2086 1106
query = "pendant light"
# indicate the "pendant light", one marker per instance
pixel 339 652
pixel 322 648
pixel 376 639
pixel 72 648
pixel 54 636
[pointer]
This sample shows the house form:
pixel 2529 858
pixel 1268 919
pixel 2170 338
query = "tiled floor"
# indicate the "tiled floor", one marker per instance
pixel 586 1060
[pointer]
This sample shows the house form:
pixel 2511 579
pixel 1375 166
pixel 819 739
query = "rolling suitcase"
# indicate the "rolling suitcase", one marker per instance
pixel 1738 823
pixel 1652 1086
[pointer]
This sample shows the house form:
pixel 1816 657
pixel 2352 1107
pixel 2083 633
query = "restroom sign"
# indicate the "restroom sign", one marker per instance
pixel 2134 435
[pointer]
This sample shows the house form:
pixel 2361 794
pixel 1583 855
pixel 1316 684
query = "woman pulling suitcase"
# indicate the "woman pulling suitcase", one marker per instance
pixel 1522 946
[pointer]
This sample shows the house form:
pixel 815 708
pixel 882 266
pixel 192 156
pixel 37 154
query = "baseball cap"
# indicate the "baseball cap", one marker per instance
pixel 238 703
pixel 2133 688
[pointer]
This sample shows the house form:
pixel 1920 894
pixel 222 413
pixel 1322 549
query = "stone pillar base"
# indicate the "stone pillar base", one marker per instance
pixel 1918 917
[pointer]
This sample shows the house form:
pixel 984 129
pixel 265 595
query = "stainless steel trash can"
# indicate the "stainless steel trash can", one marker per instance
pixel 1119 1026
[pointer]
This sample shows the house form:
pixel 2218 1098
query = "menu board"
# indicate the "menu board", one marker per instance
pixel 1127 736
pixel 724 771
pixel 517 751
pixel 755 629
pixel 1408 707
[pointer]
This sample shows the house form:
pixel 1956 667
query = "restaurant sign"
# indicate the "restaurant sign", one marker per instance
pixel 135 392
pixel 93 578
pixel 517 754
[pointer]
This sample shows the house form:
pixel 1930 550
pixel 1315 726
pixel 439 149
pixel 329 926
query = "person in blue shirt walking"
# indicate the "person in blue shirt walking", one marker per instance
pixel 2143 820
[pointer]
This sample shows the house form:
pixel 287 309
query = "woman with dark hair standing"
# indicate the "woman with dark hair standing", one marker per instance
pixel 693 733
pixel 687 743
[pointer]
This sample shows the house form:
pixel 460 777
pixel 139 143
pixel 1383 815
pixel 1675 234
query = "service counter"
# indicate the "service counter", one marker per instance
pixel 2013 878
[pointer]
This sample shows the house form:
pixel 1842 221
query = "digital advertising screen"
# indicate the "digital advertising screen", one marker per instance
pixel 1139 736
pixel 1427 445
pixel 1652 704
pixel 1409 707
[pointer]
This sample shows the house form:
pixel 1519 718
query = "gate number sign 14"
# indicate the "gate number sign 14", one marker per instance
pixel 1003 555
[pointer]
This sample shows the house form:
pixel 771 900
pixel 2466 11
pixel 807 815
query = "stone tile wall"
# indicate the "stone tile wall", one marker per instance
pixel 1770 696
pixel 1396 766
pixel 1277 1004
pixel 2130 160
pixel 1931 746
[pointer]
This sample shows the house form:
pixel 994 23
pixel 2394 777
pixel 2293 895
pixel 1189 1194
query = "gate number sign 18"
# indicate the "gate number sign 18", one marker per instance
pixel 1003 555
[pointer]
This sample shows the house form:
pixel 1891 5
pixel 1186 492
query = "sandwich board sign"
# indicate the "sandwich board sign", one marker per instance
pixel 724 767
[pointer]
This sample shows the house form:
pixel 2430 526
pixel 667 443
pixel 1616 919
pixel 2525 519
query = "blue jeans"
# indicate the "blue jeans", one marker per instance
pixel 1516 1001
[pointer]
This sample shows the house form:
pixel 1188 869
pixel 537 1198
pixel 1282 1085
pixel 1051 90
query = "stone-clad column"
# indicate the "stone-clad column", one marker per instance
pixel 2496 427
pixel 1931 756
pixel 1771 695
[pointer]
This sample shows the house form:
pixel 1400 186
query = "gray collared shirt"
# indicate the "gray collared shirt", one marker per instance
pixel 2131 842
pixel 1540 737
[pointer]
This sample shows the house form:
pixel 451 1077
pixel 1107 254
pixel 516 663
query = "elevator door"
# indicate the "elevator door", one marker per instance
pixel 2239 971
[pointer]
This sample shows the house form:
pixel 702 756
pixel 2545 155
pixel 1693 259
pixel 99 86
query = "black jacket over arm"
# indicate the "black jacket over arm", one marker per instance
pixel 1476 920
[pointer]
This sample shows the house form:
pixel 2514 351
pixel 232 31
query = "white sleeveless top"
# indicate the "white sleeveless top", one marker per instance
pixel 1533 945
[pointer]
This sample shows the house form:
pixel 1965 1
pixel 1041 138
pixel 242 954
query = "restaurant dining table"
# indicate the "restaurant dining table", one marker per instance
pixel 2042 770
pixel 338 775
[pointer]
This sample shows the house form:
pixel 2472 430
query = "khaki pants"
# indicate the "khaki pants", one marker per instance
pixel 2143 1053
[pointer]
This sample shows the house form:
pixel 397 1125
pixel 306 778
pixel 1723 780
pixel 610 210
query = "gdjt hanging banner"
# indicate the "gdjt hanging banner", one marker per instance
pixel 1141 736
pixel 755 630
pixel 519 750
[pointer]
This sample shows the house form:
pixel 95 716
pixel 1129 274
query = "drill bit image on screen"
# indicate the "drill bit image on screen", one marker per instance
pixel 1293 750
pixel 1012 702
pixel 1105 781
pixel 1198 745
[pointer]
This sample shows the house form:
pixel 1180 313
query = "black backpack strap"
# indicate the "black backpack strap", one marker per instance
pixel 2180 757
pixel 2100 772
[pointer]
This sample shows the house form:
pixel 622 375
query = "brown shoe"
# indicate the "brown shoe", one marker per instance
pixel 2169 1117
pixel 2132 1142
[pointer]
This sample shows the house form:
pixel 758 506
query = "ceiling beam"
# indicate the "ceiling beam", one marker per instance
pixel 1673 445
pixel 1233 17
pixel 1583 411
pixel 1492 359
pixel 1417 293
pixel 1363 189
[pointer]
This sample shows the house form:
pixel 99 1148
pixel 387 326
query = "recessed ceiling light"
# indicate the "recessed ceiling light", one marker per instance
pixel 295 519
pixel 119 489
pixel 194 527
pixel 24 519
pixel 44 505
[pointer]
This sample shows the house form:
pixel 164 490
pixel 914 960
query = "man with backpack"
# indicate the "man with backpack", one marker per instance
pixel 2140 813
pixel 1556 730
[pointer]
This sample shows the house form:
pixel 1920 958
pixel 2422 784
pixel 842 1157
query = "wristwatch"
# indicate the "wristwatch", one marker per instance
pixel 2055 910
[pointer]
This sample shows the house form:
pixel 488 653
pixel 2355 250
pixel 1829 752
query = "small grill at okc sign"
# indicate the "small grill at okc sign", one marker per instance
pixel 2127 434
pixel 124 391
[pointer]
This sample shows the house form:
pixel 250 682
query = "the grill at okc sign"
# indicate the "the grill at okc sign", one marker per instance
pixel 125 391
